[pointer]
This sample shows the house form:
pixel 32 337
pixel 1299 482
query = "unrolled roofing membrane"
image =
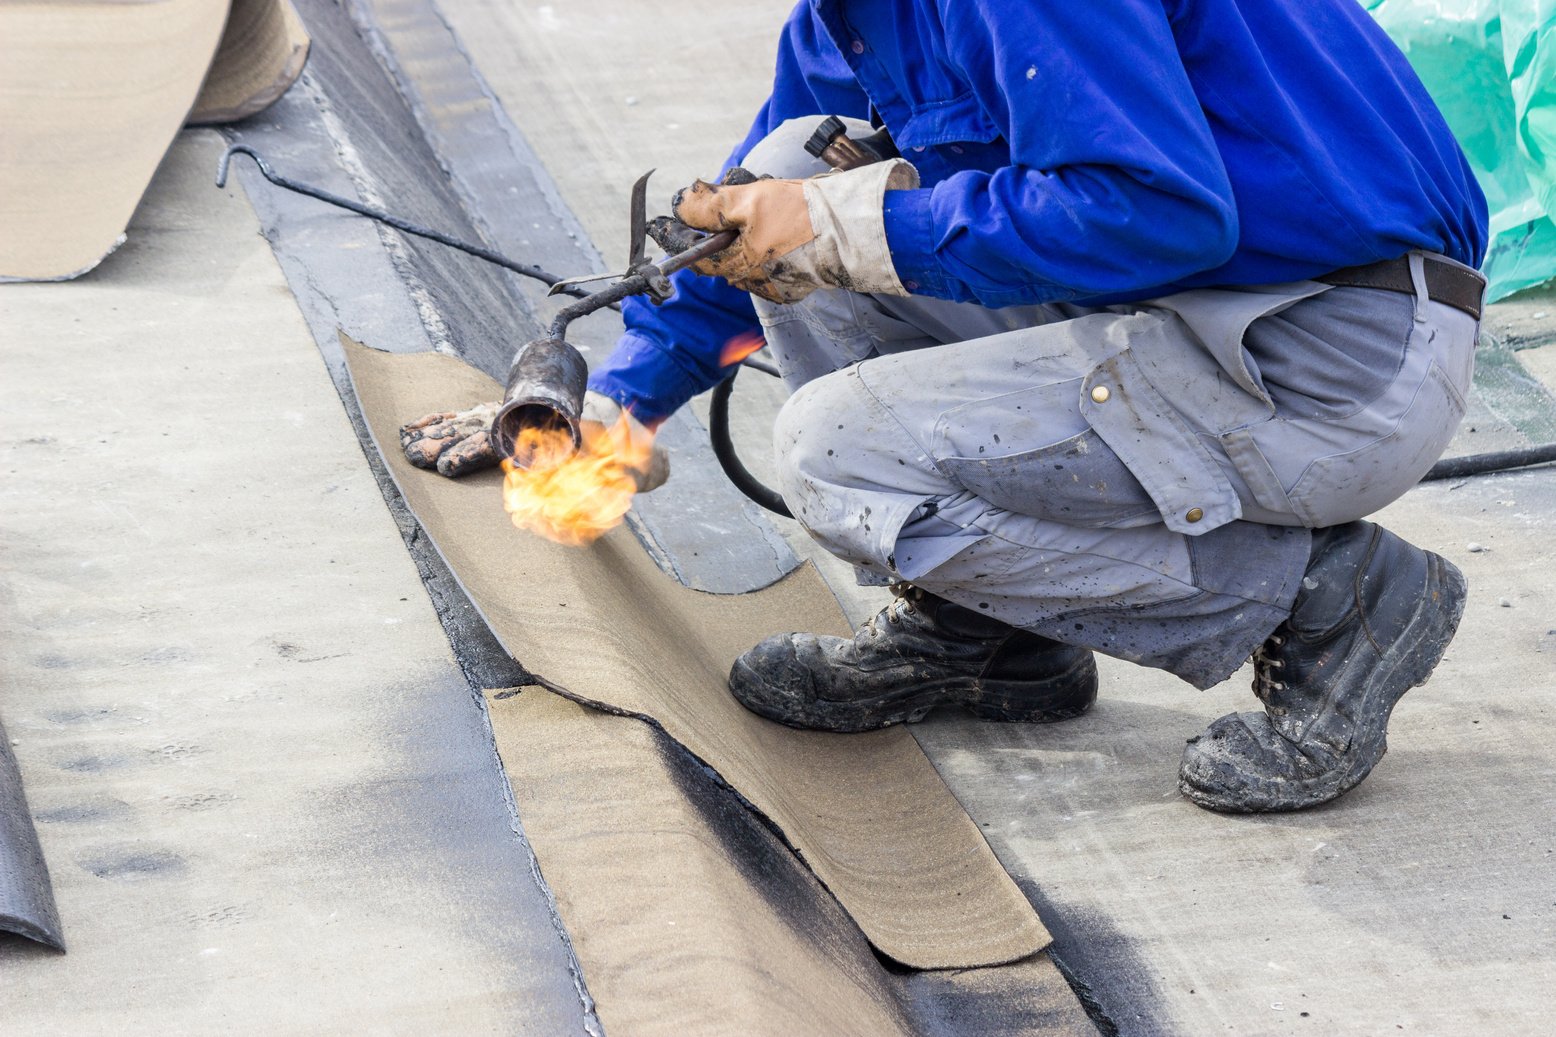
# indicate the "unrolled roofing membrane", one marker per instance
pixel 868 813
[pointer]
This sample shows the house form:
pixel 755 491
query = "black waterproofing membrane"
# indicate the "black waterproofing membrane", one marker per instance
pixel 26 896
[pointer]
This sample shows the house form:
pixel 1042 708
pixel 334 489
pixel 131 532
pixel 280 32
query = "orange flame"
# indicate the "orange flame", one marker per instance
pixel 740 347
pixel 574 497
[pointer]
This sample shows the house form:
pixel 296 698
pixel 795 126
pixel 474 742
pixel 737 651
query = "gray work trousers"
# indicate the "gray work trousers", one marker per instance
pixel 1136 479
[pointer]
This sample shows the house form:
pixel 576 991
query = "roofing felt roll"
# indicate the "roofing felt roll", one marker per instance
pixel 91 94
pixel 26 895
pixel 868 813
pixel 262 52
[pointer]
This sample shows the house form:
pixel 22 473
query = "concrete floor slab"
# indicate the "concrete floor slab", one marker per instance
pixel 606 90
pixel 1541 362
pixel 267 796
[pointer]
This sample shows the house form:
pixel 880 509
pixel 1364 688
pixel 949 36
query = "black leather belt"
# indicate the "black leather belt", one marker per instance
pixel 1447 283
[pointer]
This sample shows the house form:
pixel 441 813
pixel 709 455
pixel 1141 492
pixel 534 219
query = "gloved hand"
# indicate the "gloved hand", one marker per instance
pixel 458 442
pixel 800 235
pixel 453 442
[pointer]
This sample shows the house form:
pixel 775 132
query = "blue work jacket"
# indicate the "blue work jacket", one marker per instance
pixel 1098 151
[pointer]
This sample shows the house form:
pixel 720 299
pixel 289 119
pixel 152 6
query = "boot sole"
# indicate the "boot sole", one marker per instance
pixel 1044 701
pixel 1408 663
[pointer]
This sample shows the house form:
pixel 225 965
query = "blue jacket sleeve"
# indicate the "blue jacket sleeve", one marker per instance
pixel 672 352
pixel 1114 183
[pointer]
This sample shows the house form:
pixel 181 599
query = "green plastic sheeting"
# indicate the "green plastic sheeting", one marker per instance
pixel 1491 66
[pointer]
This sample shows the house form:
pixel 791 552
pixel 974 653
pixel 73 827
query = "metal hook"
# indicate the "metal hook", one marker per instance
pixel 243 149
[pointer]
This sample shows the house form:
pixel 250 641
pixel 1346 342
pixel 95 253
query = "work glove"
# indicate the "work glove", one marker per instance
pixel 455 443
pixel 452 442
pixel 800 235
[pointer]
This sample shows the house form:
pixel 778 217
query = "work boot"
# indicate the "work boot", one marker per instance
pixel 1373 617
pixel 919 652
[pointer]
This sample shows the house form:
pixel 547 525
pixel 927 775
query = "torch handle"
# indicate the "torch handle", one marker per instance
pixel 713 245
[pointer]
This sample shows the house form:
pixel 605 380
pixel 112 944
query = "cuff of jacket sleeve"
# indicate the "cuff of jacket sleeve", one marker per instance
pixel 910 235
pixel 645 378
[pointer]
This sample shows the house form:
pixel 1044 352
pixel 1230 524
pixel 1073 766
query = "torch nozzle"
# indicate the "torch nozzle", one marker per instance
pixel 545 395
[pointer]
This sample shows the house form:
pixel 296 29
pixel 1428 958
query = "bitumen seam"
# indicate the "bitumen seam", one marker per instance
pixel 591 1020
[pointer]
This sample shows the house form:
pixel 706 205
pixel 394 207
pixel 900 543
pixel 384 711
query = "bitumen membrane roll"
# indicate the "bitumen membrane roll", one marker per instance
pixel 26 895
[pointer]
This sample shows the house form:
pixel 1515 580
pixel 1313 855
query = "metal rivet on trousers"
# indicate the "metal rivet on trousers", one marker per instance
pixel 1194 514
pixel 1100 394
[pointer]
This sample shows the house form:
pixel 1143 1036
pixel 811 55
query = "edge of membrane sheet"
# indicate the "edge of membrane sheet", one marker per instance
pixel 26 895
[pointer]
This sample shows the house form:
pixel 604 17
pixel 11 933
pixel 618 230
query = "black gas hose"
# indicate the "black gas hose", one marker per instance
pixel 1494 461
pixel 724 449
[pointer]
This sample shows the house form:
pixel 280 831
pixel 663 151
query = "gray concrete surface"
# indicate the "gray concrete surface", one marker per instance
pixel 268 799
pixel 605 90
pixel 1540 361
pixel 1381 914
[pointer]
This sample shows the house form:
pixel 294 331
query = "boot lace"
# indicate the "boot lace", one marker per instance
pixel 1266 664
pixel 906 599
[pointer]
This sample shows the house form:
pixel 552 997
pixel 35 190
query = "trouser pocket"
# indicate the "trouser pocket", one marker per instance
pixel 1078 481
pixel 815 336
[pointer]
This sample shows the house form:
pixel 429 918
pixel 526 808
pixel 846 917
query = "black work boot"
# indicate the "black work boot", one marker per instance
pixel 919 652
pixel 1372 619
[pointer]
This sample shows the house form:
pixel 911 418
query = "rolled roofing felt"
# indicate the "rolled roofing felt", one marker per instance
pixel 26 895
pixel 91 95
pixel 262 52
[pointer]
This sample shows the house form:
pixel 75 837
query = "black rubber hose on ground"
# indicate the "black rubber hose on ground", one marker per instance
pixel 724 450
pixel 1496 461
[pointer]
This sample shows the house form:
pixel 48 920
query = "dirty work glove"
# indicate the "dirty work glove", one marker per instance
pixel 800 235
pixel 456 443
pixel 453 442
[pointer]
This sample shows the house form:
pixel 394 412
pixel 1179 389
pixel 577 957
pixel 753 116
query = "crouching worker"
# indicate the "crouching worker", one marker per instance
pixel 1159 302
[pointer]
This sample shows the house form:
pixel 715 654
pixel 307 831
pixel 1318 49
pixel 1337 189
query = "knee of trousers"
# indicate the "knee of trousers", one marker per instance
pixel 805 451
pixel 782 152
pixel 845 470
